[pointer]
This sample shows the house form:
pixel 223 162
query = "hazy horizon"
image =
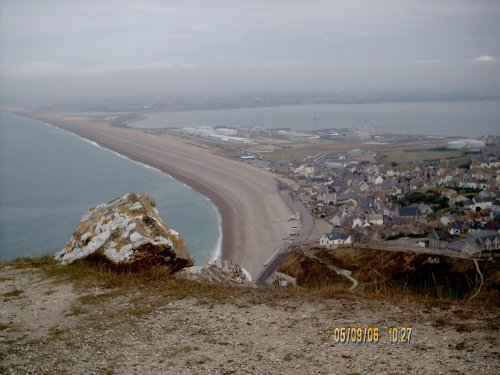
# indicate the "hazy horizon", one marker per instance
pixel 56 49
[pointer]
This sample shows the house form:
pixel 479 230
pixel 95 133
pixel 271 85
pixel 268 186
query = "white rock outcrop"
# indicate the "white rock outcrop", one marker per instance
pixel 219 271
pixel 127 230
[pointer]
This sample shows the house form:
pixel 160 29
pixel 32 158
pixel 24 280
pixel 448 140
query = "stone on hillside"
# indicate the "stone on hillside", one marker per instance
pixel 219 271
pixel 127 231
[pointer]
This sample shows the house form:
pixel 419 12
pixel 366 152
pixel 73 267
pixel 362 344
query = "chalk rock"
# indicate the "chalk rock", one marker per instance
pixel 219 271
pixel 127 230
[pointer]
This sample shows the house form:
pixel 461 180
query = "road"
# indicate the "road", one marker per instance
pixel 306 227
pixel 307 224
pixel 306 219
pixel 274 264
pixel 410 245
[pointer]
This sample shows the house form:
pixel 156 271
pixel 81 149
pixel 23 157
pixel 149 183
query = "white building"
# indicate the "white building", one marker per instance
pixel 226 131
pixel 357 223
pixel 376 219
pixel 335 238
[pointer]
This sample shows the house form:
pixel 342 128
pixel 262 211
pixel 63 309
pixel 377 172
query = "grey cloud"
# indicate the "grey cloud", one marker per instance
pixel 484 58
pixel 106 47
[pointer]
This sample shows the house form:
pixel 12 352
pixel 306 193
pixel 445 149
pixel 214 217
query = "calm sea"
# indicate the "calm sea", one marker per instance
pixel 467 119
pixel 49 178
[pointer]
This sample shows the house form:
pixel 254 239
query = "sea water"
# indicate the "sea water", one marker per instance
pixel 49 178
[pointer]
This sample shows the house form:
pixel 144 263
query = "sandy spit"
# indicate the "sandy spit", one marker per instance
pixel 254 216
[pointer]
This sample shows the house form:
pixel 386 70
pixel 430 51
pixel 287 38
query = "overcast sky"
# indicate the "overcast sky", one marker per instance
pixel 72 48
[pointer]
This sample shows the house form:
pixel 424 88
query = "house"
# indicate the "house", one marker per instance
pixel 483 203
pixel 477 226
pixel 424 209
pixel 445 220
pixel 467 205
pixel 457 198
pixel 357 223
pixel 494 223
pixel 441 240
pixel 363 186
pixel 486 241
pixel 446 180
pixel 304 170
pixel 410 212
pixel 472 184
pixel 465 246
pixel 390 173
pixel 376 219
pixel 458 228
pixel 327 198
pixel 377 180
pixel 423 243
pixel 334 238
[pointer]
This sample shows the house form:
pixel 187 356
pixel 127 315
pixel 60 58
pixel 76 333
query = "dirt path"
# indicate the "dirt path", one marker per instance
pixel 338 271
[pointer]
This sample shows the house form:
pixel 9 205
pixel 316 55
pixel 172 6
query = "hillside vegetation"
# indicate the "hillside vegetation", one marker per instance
pixel 393 272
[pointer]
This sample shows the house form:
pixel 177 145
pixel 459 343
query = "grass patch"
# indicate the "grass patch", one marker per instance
pixel 431 198
pixel 93 299
pixel 57 332
pixel 302 151
pixel 76 310
pixel 156 281
pixel 15 294
pixel 150 290
pixel 34 262
pixel 407 158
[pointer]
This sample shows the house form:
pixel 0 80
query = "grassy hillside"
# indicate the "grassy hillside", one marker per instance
pixel 378 271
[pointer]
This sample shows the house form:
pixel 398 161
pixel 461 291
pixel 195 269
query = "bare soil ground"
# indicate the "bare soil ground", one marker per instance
pixel 81 319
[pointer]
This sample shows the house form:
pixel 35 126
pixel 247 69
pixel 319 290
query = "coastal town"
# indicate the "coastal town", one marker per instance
pixel 434 194
pixel 249 187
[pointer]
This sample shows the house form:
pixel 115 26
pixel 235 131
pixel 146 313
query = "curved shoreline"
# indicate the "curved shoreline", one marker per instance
pixel 218 201
pixel 216 252
pixel 247 198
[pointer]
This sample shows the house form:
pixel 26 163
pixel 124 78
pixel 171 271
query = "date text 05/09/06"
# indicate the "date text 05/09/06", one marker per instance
pixel 372 335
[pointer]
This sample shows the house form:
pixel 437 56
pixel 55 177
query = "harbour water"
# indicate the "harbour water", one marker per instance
pixel 465 119
pixel 49 178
